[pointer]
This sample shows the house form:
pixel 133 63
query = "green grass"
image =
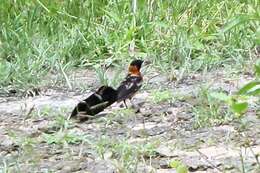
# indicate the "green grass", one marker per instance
pixel 158 96
pixel 179 166
pixel 24 152
pixel 209 111
pixel 64 137
pixel 108 79
pixel 126 156
pixel 40 36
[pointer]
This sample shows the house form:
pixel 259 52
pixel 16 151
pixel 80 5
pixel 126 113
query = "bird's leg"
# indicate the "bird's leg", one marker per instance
pixel 125 104
pixel 135 106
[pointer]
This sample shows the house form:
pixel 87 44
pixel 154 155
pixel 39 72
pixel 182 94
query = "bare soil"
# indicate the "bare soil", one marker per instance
pixel 26 124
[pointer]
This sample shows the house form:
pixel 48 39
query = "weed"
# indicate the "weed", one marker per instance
pixel 179 166
pixel 27 151
pixel 239 103
pixel 105 79
pixel 209 111
pixel 64 137
pixel 45 111
pixel 127 155
pixel 24 142
pixel 158 96
pixel 62 122
pixel 117 117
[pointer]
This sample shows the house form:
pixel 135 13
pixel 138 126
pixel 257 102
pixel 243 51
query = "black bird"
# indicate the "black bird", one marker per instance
pixel 132 83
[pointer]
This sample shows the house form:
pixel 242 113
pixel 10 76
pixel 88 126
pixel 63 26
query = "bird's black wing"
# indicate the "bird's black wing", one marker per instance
pixel 129 87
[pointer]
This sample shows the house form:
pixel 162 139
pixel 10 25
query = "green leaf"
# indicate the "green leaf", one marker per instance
pixel 174 163
pixel 182 169
pixel 239 108
pixel 257 69
pixel 257 37
pixel 220 96
pixel 179 166
pixel 248 87
pixel 114 15
pixel 255 92
pixel 237 20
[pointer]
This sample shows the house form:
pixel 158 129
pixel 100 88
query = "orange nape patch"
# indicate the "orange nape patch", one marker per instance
pixel 133 70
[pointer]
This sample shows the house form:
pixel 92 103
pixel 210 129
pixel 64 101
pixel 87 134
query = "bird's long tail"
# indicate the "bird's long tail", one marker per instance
pixel 97 102
pixel 81 107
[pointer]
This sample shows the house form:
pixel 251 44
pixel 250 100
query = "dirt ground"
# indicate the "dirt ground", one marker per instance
pixel 36 135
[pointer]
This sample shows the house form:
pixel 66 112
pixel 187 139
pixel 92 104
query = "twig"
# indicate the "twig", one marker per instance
pixel 144 123
pixel 30 111
pixel 205 157
pixel 43 6
pixel 255 155
pixel 65 76
pixel 81 149
pixel 242 160
pixel 153 77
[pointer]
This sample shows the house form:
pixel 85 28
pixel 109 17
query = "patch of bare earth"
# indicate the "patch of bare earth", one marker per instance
pixel 37 137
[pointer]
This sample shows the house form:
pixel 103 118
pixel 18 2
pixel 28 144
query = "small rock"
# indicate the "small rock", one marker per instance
pixel 165 151
pixel 140 97
pixel 7 144
pixel 142 168
pixel 101 166
pixel 108 155
pixel 159 79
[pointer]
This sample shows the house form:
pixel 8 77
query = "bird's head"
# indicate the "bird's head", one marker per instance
pixel 135 66
pixel 137 63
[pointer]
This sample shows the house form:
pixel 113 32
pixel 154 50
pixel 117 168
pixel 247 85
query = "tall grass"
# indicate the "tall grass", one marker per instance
pixel 37 36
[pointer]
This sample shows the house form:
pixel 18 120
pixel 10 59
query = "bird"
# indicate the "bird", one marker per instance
pixel 132 82
pixel 96 102
pixel 105 96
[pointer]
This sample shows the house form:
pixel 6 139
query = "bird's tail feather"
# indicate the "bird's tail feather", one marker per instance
pixel 97 102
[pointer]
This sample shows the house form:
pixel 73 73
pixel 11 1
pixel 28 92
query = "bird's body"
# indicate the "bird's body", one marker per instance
pixel 132 83
pixel 129 87
pixel 106 96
